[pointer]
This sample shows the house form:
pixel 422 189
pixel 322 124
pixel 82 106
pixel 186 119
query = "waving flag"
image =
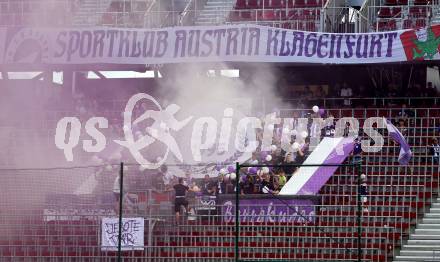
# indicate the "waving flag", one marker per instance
pixel 308 180
pixel 405 152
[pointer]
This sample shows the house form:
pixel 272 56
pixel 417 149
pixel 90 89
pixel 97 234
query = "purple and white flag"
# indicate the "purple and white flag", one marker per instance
pixel 308 180
pixel 405 151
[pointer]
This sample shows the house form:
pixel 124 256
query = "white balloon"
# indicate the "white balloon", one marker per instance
pixel 295 145
pixel 315 109
pixel 268 158
pixel 223 171
pixel 294 132
pixel 254 162
pixel 286 130
pixel 109 168
pixel 265 170
pixel 273 147
pixel 304 134
pixel 196 189
pixel 153 132
pixel 233 176
pixel 227 176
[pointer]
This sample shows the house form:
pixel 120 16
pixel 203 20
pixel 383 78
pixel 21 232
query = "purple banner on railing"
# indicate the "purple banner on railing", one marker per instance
pixel 270 210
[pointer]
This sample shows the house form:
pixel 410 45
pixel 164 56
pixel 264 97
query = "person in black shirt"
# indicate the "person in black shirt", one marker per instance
pixel 434 150
pixel 364 192
pixel 329 130
pixel 180 198
pixel 267 184
pixel 208 187
pixel 357 150
pixel 247 186
pixel 221 185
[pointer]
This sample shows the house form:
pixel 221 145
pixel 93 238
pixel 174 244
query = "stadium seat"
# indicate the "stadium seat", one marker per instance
pixel 268 15
pixel 246 15
pixel 390 2
pixel 385 12
pixel 299 3
pixel 313 3
pixel 416 11
pixel 421 2
pixel 278 3
pixel 420 23
pixel 241 4
pixel 396 11
pixel 407 24
pixel 253 4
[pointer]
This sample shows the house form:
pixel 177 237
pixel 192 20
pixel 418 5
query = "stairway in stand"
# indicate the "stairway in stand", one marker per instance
pixel 424 243
pixel 215 12
pixel 90 12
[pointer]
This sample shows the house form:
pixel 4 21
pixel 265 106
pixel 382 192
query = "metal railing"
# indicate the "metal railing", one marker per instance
pixel 58 229
pixel 399 17
pixel 398 195
pixel 205 236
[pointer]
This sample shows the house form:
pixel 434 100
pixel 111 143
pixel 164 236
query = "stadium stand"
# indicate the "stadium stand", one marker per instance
pixel 298 15
pixel 121 13
pixel 400 211
pixel 308 15
pixel 27 12
pixel 397 197
pixel 394 15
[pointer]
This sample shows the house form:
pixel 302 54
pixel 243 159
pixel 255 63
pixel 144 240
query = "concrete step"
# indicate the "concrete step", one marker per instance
pixel 215 10
pixel 87 13
pixel 432 215
pixel 207 23
pixel 425 253
pixel 419 248
pixel 427 231
pixel 424 242
pixel 430 221
pixel 219 2
pixel 428 226
pixel 213 13
pixel 209 4
pixel 412 258
pixel 427 237
pixel 434 210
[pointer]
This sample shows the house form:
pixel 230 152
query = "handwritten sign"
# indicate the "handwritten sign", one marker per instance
pixel 132 234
